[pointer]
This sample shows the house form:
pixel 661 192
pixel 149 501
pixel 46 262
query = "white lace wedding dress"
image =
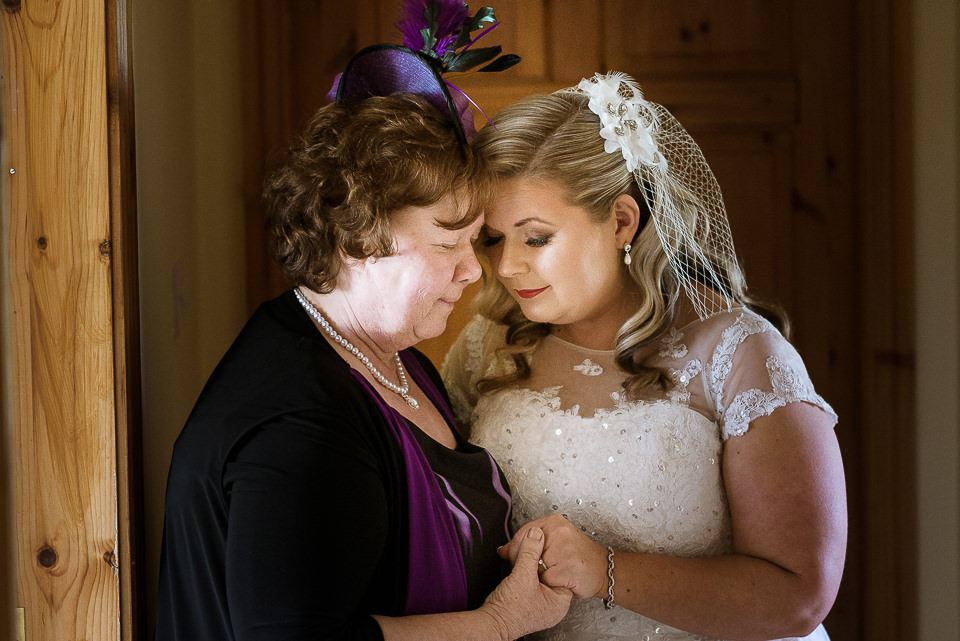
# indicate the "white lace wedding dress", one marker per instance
pixel 641 476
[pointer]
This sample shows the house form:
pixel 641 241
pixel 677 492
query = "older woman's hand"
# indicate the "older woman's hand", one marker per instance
pixel 521 603
pixel 572 559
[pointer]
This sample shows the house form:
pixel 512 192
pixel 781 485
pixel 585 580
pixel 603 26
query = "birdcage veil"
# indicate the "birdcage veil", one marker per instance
pixel 680 190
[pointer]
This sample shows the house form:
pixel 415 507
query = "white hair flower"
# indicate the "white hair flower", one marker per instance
pixel 684 199
pixel 627 119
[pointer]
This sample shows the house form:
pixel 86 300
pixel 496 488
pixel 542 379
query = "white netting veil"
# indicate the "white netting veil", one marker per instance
pixel 679 188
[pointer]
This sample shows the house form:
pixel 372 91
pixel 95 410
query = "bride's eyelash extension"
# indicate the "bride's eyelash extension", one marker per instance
pixel 539 241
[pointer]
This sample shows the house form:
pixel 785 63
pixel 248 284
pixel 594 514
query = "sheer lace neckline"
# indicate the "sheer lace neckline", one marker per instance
pixel 578 348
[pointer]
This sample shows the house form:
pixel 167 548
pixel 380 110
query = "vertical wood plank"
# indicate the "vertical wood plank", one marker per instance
pixel 57 240
pixel 11 105
pixel 12 208
pixel 126 319
pixel 266 95
pixel 825 219
pixel 887 340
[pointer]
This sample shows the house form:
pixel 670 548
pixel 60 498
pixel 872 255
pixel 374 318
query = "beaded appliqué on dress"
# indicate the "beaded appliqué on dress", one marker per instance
pixel 722 363
pixel 681 381
pixel 588 368
pixel 670 345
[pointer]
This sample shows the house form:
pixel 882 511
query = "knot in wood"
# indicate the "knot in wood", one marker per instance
pixel 47 556
pixel 110 559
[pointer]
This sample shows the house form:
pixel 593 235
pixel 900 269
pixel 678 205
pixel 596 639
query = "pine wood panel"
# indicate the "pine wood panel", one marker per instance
pixel 60 312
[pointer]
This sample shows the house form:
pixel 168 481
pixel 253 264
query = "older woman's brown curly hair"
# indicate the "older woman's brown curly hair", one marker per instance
pixel 351 169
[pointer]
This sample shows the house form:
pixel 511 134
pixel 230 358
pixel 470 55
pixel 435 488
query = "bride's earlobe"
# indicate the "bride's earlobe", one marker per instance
pixel 627 214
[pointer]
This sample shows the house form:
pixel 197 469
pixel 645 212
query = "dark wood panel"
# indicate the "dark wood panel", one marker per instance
pixel 886 337
pixel 753 170
pixel 292 51
pixel 711 103
pixel 575 34
pixel 699 36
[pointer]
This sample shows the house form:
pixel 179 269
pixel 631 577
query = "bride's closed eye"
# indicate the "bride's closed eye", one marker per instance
pixel 539 241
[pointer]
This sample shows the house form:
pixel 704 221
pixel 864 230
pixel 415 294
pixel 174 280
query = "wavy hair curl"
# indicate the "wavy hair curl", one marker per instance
pixel 351 169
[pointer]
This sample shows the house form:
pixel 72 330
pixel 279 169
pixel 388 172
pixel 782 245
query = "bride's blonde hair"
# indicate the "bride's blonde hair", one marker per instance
pixel 555 137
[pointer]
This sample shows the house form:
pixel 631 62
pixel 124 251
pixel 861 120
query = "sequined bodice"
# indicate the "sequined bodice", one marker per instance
pixel 641 475
pixel 629 476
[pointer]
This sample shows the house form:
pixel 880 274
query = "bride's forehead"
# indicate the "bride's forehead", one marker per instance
pixel 514 214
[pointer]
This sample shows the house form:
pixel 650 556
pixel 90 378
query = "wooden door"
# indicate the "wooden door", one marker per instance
pixel 70 383
pixel 776 97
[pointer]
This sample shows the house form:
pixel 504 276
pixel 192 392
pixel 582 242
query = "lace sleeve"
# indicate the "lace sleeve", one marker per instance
pixel 754 371
pixel 464 365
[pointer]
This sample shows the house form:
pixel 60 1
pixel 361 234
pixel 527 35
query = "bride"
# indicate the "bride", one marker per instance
pixel 650 416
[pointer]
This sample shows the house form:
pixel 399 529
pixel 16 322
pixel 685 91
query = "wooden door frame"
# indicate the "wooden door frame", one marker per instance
pixel 126 318
pixel 40 577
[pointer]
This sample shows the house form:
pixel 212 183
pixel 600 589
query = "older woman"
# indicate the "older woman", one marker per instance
pixel 319 489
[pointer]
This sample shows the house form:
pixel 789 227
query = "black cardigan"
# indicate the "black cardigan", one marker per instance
pixel 286 509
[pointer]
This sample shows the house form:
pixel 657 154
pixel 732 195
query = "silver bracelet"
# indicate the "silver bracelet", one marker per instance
pixel 608 602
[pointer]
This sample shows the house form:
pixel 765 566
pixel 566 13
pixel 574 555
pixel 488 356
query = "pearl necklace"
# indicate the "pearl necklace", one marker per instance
pixel 401 389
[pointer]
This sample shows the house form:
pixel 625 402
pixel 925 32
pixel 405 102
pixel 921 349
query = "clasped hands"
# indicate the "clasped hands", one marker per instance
pixel 534 597
pixel 569 559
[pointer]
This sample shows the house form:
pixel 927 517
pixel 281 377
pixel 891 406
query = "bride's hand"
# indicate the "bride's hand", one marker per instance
pixel 571 559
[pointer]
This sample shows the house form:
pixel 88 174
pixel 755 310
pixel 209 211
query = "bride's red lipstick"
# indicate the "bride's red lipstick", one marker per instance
pixel 529 293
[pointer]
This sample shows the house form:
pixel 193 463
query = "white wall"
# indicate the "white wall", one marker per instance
pixel 937 205
pixel 189 179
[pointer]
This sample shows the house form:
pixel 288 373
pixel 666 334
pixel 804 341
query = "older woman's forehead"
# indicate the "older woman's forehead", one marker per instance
pixel 445 217
pixel 458 210
pixel 453 210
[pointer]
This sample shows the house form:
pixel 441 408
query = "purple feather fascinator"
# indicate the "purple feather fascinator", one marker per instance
pixel 437 38
pixel 419 21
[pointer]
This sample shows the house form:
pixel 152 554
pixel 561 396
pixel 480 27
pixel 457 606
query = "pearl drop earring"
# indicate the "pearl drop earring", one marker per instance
pixel 626 254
